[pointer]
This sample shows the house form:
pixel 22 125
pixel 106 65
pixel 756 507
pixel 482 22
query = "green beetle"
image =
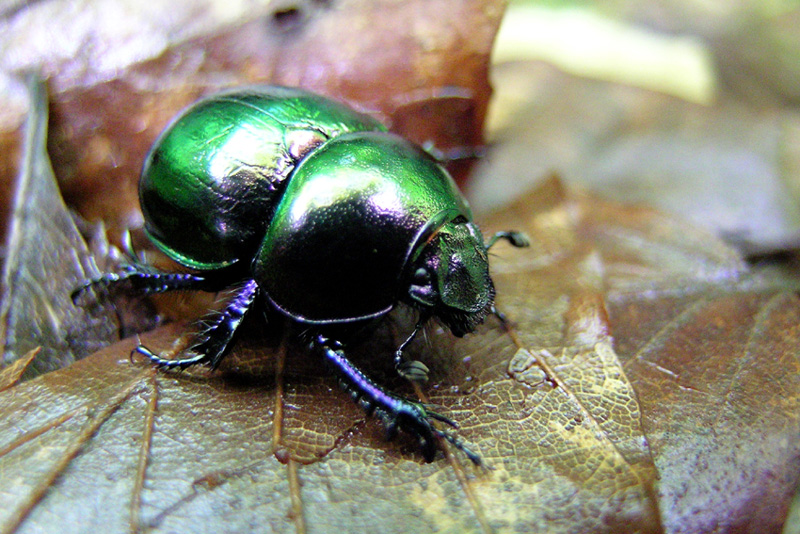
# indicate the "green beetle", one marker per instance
pixel 317 212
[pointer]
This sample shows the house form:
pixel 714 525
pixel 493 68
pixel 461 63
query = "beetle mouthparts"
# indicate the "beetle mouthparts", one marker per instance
pixel 460 322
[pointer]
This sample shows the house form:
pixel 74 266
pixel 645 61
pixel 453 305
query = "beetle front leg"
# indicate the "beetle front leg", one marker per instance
pixel 394 412
pixel 213 341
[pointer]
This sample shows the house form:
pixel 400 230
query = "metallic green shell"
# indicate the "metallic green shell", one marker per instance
pixel 211 182
pixel 354 213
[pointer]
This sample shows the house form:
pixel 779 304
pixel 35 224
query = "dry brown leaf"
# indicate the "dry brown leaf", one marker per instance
pixel 209 453
pixel 12 374
pixel 264 443
pixel 729 167
pixel 718 377
pixel 45 259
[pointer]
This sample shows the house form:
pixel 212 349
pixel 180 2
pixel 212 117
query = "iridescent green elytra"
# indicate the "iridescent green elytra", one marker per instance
pixel 212 179
pixel 314 211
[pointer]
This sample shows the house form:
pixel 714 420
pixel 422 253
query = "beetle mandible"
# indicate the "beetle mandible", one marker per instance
pixel 317 211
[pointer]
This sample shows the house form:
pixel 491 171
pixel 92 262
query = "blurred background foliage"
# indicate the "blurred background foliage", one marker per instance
pixel 687 105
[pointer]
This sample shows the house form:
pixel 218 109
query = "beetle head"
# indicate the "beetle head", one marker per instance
pixel 450 277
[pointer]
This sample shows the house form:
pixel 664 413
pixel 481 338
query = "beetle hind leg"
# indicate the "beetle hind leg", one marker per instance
pixel 214 340
pixel 396 413
pixel 143 280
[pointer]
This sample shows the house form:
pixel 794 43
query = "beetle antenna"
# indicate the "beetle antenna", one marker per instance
pixel 412 370
pixel 517 239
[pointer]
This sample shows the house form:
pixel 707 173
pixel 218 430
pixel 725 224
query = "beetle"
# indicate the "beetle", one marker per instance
pixel 305 206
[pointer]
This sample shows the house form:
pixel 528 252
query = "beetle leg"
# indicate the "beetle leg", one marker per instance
pixel 458 153
pixel 213 342
pixel 143 280
pixel 394 412
pixel 412 370
pixel 517 239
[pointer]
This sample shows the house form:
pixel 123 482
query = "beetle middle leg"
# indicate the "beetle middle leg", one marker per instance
pixel 214 340
pixel 394 411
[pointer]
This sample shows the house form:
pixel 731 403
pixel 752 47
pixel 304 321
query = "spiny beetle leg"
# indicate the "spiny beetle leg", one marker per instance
pixel 395 412
pixel 214 340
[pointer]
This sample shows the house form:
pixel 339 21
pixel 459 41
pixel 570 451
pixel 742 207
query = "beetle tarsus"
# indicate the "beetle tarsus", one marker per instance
pixel 168 363
pixel 440 417
pixel 455 442
pixel 394 412
pixel 517 239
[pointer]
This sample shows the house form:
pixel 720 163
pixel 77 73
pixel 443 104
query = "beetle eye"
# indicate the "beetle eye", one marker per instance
pixel 421 277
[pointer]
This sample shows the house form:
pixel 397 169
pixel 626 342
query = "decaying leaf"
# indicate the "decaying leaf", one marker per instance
pixel 12 374
pixel 712 352
pixel 729 167
pixel 718 378
pixel 46 259
pixel 550 405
